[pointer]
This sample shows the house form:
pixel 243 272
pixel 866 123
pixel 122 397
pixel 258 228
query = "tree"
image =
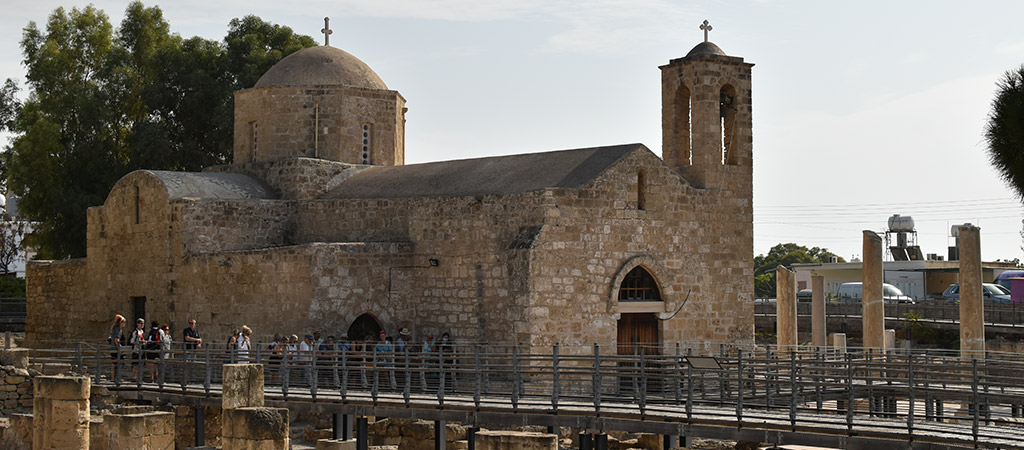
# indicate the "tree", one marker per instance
pixel 784 255
pixel 12 232
pixel 103 103
pixel 1004 131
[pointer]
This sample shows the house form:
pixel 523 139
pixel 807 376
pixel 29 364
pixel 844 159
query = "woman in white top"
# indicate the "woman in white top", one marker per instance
pixel 244 345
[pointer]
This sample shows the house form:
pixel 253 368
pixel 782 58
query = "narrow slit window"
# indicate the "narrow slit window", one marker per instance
pixel 641 191
pixel 137 215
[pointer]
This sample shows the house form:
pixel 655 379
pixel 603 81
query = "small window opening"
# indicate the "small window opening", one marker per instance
pixel 641 188
pixel 638 285
pixel 683 135
pixel 137 215
pixel 367 136
pixel 727 111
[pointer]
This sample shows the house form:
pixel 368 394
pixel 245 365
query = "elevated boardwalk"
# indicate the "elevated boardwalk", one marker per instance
pixel 852 400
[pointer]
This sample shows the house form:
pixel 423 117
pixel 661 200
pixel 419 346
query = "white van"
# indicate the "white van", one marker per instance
pixel 853 292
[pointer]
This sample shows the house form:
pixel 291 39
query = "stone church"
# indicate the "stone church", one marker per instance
pixel 320 224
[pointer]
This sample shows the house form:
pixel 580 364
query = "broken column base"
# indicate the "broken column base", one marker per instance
pixel 515 440
pixel 336 444
pixel 255 428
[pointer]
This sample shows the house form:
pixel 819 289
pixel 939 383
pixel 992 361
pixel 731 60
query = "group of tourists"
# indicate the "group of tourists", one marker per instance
pixel 146 347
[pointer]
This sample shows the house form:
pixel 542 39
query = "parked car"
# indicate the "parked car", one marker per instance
pixel 853 292
pixel 990 291
pixel 803 295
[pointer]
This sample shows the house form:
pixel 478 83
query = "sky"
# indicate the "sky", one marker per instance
pixel 861 109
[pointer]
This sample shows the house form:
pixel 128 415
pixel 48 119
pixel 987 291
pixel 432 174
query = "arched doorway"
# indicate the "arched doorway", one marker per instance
pixel 365 327
pixel 640 299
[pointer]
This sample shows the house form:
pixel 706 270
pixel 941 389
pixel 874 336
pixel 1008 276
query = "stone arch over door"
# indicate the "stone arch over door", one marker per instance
pixel 364 326
pixel 653 269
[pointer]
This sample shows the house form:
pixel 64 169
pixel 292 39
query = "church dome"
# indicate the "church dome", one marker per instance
pixel 321 66
pixel 704 48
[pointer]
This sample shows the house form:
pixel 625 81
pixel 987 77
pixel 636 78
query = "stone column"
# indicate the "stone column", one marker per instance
pixel 245 423
pixel 785 307
pixel 818 310
pixel 972 300
pixel 872 307
pixel 242 386
pixel 60 410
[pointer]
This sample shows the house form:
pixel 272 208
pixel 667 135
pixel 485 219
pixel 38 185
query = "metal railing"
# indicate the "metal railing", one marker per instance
pixel 933 310
pixel 906 395
pixel 12 314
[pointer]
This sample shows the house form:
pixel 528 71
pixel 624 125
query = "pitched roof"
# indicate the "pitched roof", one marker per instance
pixel 482 176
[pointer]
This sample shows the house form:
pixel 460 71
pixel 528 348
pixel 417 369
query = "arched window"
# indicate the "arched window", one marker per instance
pixel 727 111
pixel 638 285
pixel 682 137
pixel 641 191
pixel 365 326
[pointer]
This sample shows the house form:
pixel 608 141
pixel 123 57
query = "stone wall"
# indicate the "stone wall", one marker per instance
pixel 286 119
pixel 57 291
pixel 15 389
pixel 231 225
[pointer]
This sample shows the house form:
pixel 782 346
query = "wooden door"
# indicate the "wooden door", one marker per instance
pixel 638 332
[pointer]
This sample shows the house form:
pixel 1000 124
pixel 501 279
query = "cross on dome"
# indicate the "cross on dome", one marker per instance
pixel 706 27
pixel 327 31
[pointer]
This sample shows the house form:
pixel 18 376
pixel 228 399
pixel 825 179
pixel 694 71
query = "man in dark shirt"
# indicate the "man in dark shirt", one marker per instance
pixel 192 338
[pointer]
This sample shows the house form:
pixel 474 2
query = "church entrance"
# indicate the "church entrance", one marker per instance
pixel 638 333
pixel 365 327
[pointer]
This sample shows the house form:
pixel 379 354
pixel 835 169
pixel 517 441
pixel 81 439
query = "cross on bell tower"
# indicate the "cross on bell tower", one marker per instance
pixel 327 31
pixel 706 27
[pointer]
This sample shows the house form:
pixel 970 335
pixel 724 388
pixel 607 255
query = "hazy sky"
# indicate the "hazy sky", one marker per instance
pixel 861 109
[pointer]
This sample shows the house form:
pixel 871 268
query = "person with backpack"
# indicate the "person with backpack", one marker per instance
pixel 152 348
pixel 138 340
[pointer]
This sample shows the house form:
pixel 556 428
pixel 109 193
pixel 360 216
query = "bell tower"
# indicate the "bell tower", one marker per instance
pixel 706 117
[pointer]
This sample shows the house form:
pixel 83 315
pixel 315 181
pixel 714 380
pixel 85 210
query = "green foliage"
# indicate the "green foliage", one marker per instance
pixel 12 287
pixel 103 103
pixel 1004 131
pixel 784 255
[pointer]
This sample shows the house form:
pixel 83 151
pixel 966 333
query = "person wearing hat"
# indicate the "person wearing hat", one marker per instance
pixel 343 344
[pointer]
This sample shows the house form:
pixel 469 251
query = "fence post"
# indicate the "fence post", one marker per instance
pixel 161 370
pixel 849 391
pixel 555 386
pixel 376 377
pixel 792 388
pixel 209 371
pixel 184 367
pixel 689 390
pixel 910 394
pixel 643 382
pixel 99 363
pixel 975 405
pixel 597 378
pixel 739 387
pixel 406 388
pixel 515 378
pixel 677 379
pixel 117 368
pixel 286 370
pixel 479 377
pixel 344 373
pixel 314 377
